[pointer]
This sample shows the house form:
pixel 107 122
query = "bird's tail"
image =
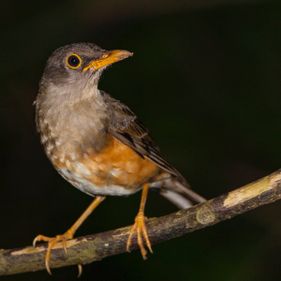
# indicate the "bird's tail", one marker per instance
pixel 178 192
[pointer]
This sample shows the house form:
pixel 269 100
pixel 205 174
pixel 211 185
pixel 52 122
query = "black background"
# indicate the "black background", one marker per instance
pixel 205 78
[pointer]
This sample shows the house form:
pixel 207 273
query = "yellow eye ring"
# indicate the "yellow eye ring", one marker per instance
pixel 73 61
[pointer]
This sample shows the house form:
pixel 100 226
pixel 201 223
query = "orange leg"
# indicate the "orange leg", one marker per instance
pixel 139 228
pixel 62 238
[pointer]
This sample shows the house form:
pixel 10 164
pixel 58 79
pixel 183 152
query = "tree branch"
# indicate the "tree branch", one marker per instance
pixel 95 247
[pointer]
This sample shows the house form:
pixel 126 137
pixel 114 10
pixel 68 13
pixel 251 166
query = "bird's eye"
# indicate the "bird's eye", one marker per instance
pixel 74 61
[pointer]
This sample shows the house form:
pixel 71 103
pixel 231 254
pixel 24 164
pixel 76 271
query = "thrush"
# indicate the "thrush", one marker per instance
pixel 97 143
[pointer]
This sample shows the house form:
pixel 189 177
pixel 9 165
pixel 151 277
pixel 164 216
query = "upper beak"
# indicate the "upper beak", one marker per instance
pixel 108 58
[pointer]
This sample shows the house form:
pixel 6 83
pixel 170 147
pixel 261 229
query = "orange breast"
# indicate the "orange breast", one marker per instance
pixel 118 164
pixel 115 166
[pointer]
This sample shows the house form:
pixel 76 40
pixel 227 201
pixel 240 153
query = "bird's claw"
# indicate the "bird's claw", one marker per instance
pixel 52 242
pixel 139 228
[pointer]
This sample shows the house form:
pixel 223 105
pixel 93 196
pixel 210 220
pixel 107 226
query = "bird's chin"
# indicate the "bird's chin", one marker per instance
pixel 93 76
pixel 97 72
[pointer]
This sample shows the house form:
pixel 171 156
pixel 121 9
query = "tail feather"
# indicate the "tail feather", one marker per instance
pixel 177 199
pixel 180 194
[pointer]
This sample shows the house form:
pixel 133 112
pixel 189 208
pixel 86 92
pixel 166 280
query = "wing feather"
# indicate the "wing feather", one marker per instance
pixel 126 127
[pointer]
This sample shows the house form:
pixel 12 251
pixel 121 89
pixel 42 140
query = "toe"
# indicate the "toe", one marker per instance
pixel 41 238
pixel 139 229
pixel 52 242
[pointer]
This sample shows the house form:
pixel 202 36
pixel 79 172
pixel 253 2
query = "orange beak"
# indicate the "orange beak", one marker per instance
pixel 108 58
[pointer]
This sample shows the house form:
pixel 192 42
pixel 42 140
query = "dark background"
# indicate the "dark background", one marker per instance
pixel 205 78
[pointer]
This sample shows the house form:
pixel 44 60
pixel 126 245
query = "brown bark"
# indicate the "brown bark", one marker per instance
pixel 95 247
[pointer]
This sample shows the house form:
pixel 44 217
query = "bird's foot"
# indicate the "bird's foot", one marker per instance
pixel 52 243
pixel 139 228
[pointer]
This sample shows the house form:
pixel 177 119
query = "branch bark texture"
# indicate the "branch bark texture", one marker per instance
pixel 86 249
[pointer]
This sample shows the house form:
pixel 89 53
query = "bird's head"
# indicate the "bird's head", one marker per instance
pixel 79 63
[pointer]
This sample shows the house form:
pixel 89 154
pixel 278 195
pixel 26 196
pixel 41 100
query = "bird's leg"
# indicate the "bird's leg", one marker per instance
pixel 62 238
pixel 139 228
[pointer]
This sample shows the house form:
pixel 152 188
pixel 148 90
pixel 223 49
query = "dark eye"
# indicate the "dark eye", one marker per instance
pixel 74 61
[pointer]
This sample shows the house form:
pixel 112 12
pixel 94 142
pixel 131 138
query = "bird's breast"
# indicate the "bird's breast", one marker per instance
pixel 115 170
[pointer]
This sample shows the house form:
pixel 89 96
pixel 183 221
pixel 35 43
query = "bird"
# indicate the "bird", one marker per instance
pixel 97 143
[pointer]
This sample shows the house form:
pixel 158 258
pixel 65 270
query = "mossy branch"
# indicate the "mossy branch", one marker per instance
pixel 86 249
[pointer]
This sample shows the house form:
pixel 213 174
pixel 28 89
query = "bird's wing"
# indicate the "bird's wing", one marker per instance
pixel 126 127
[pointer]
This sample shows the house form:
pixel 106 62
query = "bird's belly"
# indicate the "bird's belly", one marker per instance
pixel 116 170
pixel 87 186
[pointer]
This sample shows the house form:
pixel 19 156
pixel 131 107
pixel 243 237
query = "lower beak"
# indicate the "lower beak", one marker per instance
pixel 108 58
